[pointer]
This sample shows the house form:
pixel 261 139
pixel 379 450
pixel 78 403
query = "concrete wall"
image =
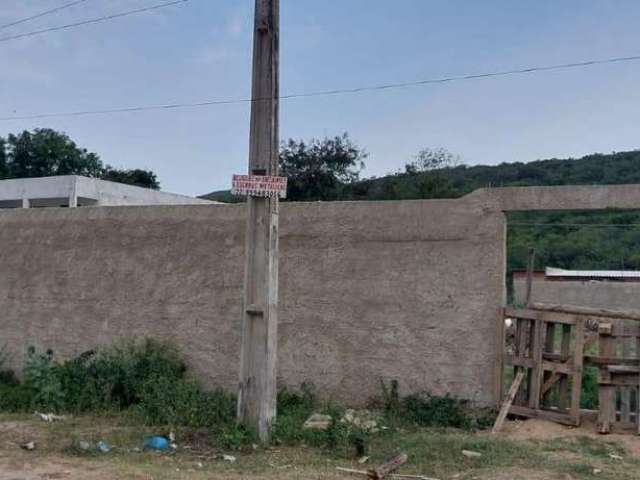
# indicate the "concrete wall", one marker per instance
pixel 407 290
pixel 75 190
pixel 118 194
pixel 597 294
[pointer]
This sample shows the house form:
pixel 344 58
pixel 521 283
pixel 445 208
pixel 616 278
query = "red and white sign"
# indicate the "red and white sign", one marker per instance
pixel 259 186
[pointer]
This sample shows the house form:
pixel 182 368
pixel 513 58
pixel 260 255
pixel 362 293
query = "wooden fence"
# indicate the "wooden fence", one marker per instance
pixel 552 345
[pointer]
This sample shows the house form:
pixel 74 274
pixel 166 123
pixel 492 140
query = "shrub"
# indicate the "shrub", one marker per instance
pixel 114 378
pixel 234 436
pixel 42 381
pixel 166 401
pixel 110 379
pixel 436 411
pixel 122 370
pixel 14 398
pixel 7 377
pixel 294 407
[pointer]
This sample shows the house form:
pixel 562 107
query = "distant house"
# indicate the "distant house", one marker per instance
pixel 614 289
pixel 78 191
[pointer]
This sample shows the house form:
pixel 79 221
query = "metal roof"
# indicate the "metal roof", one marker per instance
pixel 559 272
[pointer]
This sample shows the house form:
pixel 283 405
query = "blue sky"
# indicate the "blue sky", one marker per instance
pixel 201 50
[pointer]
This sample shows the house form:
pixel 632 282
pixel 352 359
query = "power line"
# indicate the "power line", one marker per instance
pixel 41 14
pixel 93 20
pixel 324 93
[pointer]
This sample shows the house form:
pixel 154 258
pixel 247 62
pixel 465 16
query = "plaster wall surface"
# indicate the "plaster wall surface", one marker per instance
pixel 407 290
pixel 394 290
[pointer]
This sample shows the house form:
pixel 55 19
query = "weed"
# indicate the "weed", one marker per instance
pixel 234 436
pixel 167 401
pixel 109 379
pixel 436 411
pixel 119 372
pixel 42 381
pixel 304 399
pixel 390 397
pixel 14 398
pixel 589 393
pixel 7 377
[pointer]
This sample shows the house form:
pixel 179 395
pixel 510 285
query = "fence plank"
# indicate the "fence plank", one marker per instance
pixel 606 393
pixel 576 381
pixel 549 344
pixel 515 386
pixel 625 392
pixel 565 346
pixel 536 372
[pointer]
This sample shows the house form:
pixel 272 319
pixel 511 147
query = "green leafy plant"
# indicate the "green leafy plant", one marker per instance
pixel 42 381
pixel 114 377
pixel 436 411
pixel 7 377
pixel 166 401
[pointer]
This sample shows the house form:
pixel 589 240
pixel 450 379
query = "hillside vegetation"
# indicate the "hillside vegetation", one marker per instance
pixel 573 240
pixel 580 240
pixel 596 169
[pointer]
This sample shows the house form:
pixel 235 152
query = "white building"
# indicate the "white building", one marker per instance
pixel 77 191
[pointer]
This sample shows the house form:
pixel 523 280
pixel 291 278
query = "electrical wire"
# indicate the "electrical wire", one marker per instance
pixel 41 14
pixel 325 93
pixel 90 21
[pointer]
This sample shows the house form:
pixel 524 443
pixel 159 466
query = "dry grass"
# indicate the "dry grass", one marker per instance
pixel 563 454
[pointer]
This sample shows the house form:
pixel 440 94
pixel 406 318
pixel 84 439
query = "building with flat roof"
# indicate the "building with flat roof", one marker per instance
pixel 78 191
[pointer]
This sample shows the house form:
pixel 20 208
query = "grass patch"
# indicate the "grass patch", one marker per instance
pixel 148 380
pixel 586 446
pixel 433 452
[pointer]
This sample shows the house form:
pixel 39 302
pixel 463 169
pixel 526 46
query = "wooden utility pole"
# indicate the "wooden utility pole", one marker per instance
pixel 257 393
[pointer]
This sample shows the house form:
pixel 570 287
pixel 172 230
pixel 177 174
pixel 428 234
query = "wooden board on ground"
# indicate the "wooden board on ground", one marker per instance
pixel 508 402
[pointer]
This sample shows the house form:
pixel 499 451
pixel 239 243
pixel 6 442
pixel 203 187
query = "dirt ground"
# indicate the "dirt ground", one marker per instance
pixel 543 430
pixel 527 450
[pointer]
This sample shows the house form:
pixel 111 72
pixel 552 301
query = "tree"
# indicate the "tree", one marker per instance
pixel 46 152
pixel 319 169
pixel 432 159
pixel 429 167
pixel 136 176
pixel 4 171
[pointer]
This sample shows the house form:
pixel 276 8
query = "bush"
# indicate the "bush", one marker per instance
pixel 234 436
pixel 14 398
pixel 427 410
pixel 42 381
pixel 109 379
pixel 166 401
pixel 294 407
pixel 436 411
pixel 7 377
pixel 114 378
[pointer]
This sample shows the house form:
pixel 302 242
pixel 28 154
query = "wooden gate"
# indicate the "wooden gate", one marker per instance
pixel 552 344
pixel 549 348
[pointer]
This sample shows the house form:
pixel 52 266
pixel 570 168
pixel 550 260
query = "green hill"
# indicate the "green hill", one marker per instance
pixel 596 169
pixel 579 240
